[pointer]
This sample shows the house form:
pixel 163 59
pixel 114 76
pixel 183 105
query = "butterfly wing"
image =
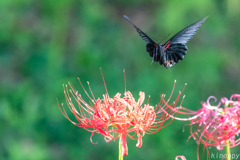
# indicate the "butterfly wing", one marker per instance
pixel 151 45
pixel 176 47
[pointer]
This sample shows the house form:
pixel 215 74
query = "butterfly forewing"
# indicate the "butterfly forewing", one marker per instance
pixel 176 47
pixel 144 36
pixel 187 33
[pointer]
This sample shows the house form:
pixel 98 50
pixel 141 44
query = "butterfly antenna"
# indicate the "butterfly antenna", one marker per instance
pixel 165 37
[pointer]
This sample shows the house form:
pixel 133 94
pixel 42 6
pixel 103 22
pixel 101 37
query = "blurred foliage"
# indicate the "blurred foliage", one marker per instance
pixel 44 44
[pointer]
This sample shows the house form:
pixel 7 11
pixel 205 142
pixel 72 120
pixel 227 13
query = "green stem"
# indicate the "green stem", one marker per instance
pixel 227 146
pixel 228 151
pixel 120 148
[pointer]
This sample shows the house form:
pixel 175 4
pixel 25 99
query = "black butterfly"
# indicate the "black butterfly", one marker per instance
pixel 174 49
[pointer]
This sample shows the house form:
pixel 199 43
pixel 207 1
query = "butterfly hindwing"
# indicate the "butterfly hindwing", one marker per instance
pixel 176 52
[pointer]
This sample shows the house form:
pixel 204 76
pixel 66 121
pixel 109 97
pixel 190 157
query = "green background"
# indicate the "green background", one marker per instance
pixel 44 44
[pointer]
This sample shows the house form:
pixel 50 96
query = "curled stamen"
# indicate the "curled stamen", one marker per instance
pixel 211 97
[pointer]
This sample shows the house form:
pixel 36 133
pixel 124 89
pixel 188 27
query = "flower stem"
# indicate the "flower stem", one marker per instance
pixel 227 146
pixel 120 148
pixel 228 151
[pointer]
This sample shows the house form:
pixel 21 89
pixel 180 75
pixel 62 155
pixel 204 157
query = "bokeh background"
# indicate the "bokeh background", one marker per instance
pixel 45 44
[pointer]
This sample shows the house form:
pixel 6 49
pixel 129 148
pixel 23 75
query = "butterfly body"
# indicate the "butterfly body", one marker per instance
pixel 174 49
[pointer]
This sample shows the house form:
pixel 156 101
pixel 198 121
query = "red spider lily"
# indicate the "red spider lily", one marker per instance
pixel 214 125
pixel 118 117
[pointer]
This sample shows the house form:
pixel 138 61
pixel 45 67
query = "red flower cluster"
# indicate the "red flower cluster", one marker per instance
pixel 118 117
pixel 218 126
pixel 214 125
